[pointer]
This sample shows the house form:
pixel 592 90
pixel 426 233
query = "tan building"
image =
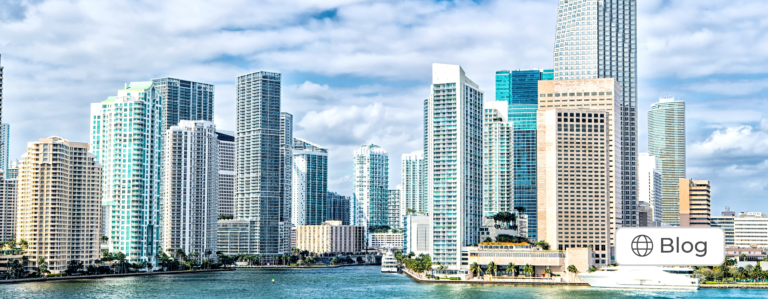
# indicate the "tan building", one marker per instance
pixel 694 203
pixel 522 254
pixel 59 207
pixel 330 236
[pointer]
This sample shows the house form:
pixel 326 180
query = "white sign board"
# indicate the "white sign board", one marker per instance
pixel 670 246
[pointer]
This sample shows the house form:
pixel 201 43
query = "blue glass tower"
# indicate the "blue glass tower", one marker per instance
pixel 520 89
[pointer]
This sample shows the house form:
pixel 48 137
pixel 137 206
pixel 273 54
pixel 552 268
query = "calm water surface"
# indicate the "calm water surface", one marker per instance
pixel 350 282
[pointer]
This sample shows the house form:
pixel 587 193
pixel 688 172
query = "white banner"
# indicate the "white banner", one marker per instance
pixel 670 246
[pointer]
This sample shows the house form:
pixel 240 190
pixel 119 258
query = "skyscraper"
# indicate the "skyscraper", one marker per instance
pixel 338 207
pixel 5 134
pixel 666 142
pixel 310 183
pixel 286 180
pixel 695 203
pixel 414 182
pixel 519 88
pixel 396 212
pixel 649 186
pixel 126 137
pixel 191 187
pixel 260 168
pixel 8 204
pixel 453 150
pixel 226 141
pixel 370 187
pixel 498 164
pixel 598 39
pixel 1 93
pixel 184 100
pixel 59 203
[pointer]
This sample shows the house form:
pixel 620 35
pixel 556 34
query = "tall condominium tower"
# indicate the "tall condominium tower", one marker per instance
pixel 396 211
pixel 574 176
pixel 598 39
pixel 498 156
pixel 59 203
pixel 126 136
pixel 649 186
pixel 8 204
pixel 1 91
pixel 5 134
pixel 338 207
pixel 414 182
pixel 310 183
pixel 191 187
pixel 184 100
pixel 666 142
pixel 260 167
pixel 370 187
pixel 286 179
pixel 453 150
pixel 519 88
pixel 604 95
pixel 226 141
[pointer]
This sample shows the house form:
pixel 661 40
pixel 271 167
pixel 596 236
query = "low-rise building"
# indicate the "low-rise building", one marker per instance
pixel 694 203
pixel 521 254
pixel 750 230
pixel 417 234
pixel 386 240
pixel 331 236
pixel 725 222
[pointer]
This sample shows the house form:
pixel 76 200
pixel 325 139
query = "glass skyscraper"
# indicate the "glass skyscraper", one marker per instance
pixel 310 183
pixel 184 100
pixel 666 142
pixel 519 88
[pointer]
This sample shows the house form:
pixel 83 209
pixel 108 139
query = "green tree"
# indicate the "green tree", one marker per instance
pixel 511 269
pixel 474 268
pixel 492 268
pixel 548 271
pixel 42 267
pixel 542 244
pixel 743 257
pixel 74 267
pixel 592 269
pixel 14 269
pixel 572 269
pixel 528 269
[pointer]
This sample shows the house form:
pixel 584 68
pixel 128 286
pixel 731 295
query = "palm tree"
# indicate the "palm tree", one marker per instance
pixel 475 269
pixel 208 253
pixel 592 269
pixel 41 268
pixel 23 244
pixel 195 254
pixel 528 269
pixel 572 269
pixel 548 272
pixel 511 267
pixel 743 257
pixel 492 268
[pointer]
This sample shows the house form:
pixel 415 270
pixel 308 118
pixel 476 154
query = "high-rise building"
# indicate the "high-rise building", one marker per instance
pixel 649 186
pixel 370 187
pixel 8 204
pixel 13 169
pixel 59 203
pixel 519 88
pixel 666 142
pixel 598 39
pixel 498 159
pixel 695 203
pixel 574 177
pixel 1 93
pixel 725 222
pixel 604 96
pixel 5 134
pixel 330 237
pixel 338 207
pixel 226 141
pixel 260 166
pixel 395 204
pixel 453 150
pixel 126 137
pixel 414 182
pixel 749 230
pixel 184 100
pixel 286 180
pixel 191 187
pixel 310 183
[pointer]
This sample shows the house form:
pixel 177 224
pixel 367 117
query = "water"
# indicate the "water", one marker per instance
pixel 351 282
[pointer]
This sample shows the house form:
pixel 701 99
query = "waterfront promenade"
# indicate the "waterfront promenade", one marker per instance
pixel 500 281
pixel 44 279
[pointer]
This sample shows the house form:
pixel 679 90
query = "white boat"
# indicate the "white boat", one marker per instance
pixel 625 277
pixel 388 263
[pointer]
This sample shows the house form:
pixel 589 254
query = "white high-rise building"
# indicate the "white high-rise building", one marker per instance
pixel 649 185
pixel 5 135
pixel 666 142
pixel 8 203
pixel 396 211
pixel 453 149
pixel 226 141
pixel 191 187
pixel 498 159
pixel 414 182
pixel 126 136
pixel 370 187
pixel 310 183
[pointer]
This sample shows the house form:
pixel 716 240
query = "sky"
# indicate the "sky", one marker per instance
pixel 357 72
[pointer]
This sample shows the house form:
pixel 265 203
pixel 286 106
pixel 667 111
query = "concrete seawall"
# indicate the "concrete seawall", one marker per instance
pixel 45 279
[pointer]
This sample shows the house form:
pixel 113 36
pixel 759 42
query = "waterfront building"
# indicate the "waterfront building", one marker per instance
pixel 226 140
pixel 191 187
pixel 8 205
pixel 126 137
pixel 414 182
pixel 330 237
pixel 396 212
pixel 5 135
pixel 750 229
pixel 666 142
pixel 695 203
pixel 184 100
pixel 519 88
pixel 261 165
pixel 338 207
pixel 725 222
pixel 286 180
pixel 575 195
pixel 59 203
pixel 751 254
pixel 1 93
pixel 386 240
pixel 491 230
pixel 234 236
pixel 498 165
pixel 522 254
pixel 310 183
pixel 370 187
pixel 453 150
pixel 417 231
pixel 649 186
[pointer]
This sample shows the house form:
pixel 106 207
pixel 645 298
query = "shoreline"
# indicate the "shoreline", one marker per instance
pixel 102 276
pixel 498 282
pixel 733 286
pixel 301 267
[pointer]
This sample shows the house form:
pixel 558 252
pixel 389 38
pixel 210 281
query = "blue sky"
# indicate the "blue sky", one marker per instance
pixel 356 72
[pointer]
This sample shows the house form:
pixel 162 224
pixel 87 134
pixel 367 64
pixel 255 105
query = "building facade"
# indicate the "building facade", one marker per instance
pixel 226 140
pixel 418 231
pixel 338 207
pixel 59 203
pixel 184 100
pixel 453 150
pixel 126 137
pixel 370 187
pixel 310 183
pixel 414 182
pixel 649 186
pixel 695 203
pixel 8 207
pixel 191 187
pixel 330 237
pixel 666 142
pixel 5 135
pixel 750 230
pixel 386 240
pixel 498 159
pixel 395 204
pixel 286 180
pixel 1 92
pixel 725 222
pixel 234 236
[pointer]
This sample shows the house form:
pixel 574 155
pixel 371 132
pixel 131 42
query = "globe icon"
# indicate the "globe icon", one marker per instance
pixel 642 245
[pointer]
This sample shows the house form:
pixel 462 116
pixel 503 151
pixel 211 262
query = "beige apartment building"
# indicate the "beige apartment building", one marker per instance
pixel 579 165
pixel 694 203
pixel 330 236
pixel 59 202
